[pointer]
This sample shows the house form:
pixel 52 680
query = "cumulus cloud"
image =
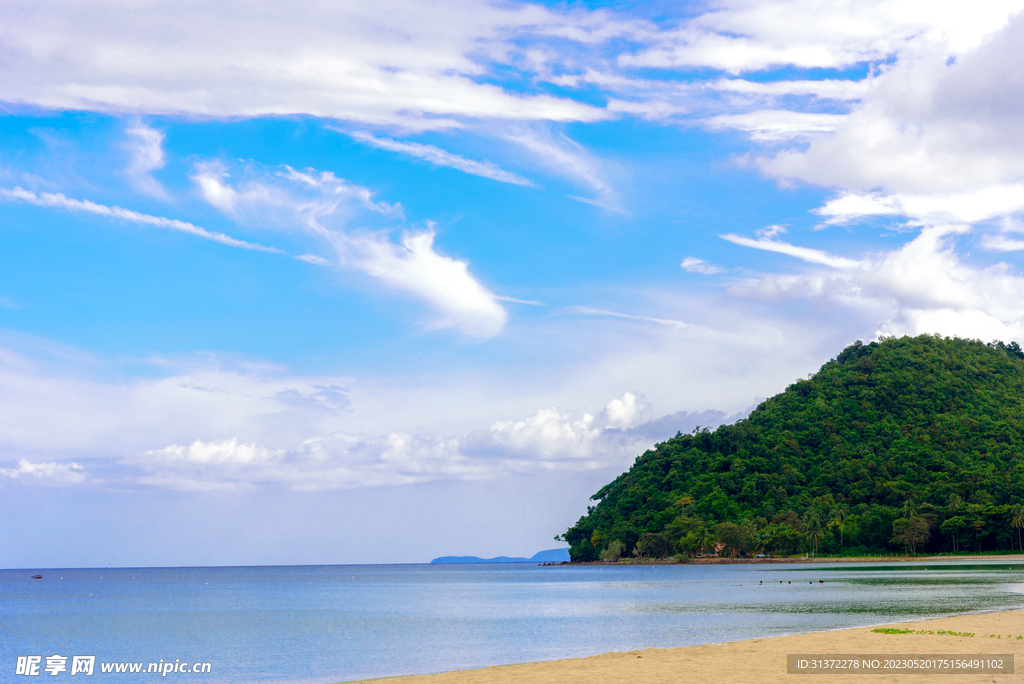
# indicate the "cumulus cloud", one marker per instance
pixel 218 422
pixel 207 424
pixel 47 473
pixel 935 140
pixel 323 205
pixel 546 441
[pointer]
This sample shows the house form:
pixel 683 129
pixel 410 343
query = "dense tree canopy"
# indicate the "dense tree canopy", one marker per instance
pixel 910 444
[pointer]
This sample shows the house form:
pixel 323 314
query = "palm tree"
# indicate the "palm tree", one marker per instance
pixel 705 540
pixel 839 515
pixel 812 523
pixel 955 502
pixel 1017 520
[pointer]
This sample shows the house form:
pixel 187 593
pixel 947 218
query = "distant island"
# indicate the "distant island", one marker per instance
pixel 910 445
pixel 549 556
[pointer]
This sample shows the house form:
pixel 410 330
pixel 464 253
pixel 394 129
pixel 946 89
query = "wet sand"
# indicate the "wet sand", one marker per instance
pixel 764 661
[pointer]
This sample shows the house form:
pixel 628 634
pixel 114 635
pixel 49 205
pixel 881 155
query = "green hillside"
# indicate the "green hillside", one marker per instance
pixel 910 444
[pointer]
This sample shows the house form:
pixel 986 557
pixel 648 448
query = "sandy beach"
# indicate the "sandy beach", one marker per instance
pixel 764 661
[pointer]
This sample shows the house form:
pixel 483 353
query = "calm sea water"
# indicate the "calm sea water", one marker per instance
pixel 335 623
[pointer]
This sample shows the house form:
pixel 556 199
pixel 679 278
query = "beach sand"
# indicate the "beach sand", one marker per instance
pixel 763 661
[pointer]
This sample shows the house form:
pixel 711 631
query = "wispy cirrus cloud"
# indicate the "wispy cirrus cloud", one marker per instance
pixel 439 157
pixel 768 243
pixel 591 311
pixel 147 156
pixel 570 160
pixel 695 265
pixel 59 201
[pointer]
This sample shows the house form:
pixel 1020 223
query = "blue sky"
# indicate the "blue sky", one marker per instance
pixel 350 284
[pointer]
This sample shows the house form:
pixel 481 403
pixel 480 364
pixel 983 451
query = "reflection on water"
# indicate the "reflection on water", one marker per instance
pixel 331 623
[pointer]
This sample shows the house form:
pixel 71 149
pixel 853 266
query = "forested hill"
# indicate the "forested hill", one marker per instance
pixel 911 444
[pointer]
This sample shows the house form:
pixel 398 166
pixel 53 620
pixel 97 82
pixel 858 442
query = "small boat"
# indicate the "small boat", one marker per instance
pixel 37 577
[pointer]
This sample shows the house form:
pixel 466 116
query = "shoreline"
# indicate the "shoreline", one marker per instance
pixel 1012 558
pixel 765 659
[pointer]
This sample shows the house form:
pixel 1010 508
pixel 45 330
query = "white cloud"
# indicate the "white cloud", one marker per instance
pixel 48 473
pixel 393 62
pixel 223 452
pixel 548 440
pixel 970 207
pixel 628 411
pixel 695 265
pixel 742 36
pixel 590 311
pixel 567 158
pixel 445 284
pixel 814 256
pixel 313 259
pixel 146 147
pixel 1002 243
pixel 285 198
pixel 935 140
pixel 59 201
pixel 211 422
pixel 439 157
pixel 777 125
pixel 922 287
pixel 828 88
pixel 531 302
pixel 324 206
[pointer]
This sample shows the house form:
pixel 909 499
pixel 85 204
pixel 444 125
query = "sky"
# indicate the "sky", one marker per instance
pixel 338 282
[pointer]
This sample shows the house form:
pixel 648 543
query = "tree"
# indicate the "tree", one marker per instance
pixel 891 428
pixel 780 540
pixel 653 545
pixel 706 540
pixel 734 538
pixel 955 502
pixel 1017 518
pixel 814 529
pixel 681 526
pixel 911 531
pixel 614 551
pixel 954 506
pixel 952 526
pixel 839 515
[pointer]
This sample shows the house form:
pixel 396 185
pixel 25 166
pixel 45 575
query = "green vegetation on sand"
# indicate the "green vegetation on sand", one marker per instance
pixel 909 445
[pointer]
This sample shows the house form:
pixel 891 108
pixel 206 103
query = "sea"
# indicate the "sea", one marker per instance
pixel 321 624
